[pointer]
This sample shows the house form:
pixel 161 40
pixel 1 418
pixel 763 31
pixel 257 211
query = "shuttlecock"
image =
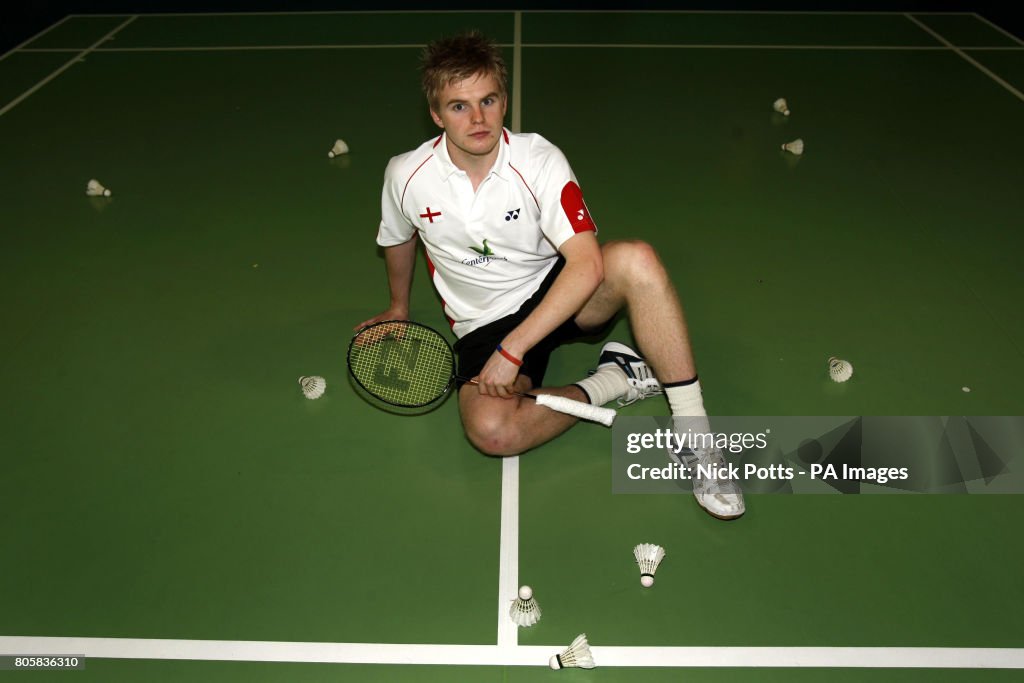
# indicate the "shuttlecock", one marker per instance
pixel 648 556
pixel 839 370
pixel 576 655
pixel 525 611
pixel 796 147
pixel 313 387
pixel 780 106
pixel 339 148
pixel 95 189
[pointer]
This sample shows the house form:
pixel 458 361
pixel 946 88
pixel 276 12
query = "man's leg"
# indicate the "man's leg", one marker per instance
pixel 511 426
pixel 499 426
pixel 635 278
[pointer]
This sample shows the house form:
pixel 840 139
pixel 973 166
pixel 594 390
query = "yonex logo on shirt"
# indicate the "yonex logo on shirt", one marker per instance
pixel 512 215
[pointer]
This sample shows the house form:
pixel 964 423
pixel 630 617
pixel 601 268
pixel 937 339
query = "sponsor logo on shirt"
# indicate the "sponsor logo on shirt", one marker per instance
pixel 486 255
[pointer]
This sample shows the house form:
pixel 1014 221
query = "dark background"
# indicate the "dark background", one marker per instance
pixel 21 20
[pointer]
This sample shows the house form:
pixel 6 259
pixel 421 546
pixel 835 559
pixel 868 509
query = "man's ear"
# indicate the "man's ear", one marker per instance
pixel 437 119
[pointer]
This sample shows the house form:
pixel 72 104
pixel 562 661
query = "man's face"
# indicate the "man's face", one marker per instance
pixel 471 113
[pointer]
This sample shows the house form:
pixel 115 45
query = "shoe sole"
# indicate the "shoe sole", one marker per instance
pixel 722 517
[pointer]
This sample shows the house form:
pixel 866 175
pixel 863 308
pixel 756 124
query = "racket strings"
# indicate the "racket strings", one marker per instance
pixel 403 363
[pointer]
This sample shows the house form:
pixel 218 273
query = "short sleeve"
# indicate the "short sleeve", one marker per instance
pixel 395 228
pixel 562 209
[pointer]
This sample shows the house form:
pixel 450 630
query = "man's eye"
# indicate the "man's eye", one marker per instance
pixel 488 101
pixel 458 107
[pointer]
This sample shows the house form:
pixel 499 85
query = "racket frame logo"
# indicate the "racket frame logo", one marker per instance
pixel 400 348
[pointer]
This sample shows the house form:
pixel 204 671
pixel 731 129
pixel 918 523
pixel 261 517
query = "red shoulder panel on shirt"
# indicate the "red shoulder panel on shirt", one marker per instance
pixel 575 209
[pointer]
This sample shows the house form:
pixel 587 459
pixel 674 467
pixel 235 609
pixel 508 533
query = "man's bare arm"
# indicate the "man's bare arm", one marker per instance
pixel 400 261
pixel 579 279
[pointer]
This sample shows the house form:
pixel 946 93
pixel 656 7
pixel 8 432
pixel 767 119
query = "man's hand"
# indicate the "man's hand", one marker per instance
pixel 498 377
pixel 390 314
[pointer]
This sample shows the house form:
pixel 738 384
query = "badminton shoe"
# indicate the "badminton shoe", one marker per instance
pixel 640 379
pixel 715 491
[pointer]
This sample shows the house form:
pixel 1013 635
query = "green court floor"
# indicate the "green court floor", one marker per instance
pixel 165 479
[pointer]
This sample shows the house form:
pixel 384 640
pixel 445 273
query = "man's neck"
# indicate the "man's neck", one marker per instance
pixel 476 167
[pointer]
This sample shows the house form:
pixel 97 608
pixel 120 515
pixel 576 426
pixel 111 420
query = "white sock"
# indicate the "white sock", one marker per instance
pixel 687 404
pixel 686 400
pixel 605 385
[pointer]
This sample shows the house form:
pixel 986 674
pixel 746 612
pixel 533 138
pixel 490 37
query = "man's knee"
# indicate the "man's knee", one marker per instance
pixel 490 434
pixel 633 261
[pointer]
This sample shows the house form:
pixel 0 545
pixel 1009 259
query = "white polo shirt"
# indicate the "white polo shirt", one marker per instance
pixel 487 251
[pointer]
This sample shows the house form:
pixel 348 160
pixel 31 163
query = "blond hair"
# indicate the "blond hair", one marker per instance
pixel 450 60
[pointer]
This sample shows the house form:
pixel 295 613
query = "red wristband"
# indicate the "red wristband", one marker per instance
pixel 509 357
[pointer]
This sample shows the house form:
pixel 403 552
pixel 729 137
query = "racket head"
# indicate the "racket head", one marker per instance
pixel 402 363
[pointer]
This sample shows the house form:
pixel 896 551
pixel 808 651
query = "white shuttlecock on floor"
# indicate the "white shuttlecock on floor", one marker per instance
pixel 95 189
pixel 780 106
pixel 796 147
pixel 839 370
pixel 525 611
pixel 339 148
pixel 313 387
pixel 576 655
pixel 648 556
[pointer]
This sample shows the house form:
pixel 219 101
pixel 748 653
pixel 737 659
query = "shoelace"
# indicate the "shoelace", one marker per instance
pixel 702 486
pixel 648 387
pixel 716 485
pixel 645 384
pixel 719 486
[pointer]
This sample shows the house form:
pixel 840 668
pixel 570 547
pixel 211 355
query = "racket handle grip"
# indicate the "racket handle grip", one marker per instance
pixel 584 411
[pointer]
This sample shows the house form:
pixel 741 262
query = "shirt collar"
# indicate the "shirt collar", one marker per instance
pixel 447 167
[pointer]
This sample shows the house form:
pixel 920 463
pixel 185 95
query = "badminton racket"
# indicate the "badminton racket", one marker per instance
pixel 410 365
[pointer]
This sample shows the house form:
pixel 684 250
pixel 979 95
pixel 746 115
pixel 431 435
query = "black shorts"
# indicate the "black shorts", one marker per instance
pixel 474 350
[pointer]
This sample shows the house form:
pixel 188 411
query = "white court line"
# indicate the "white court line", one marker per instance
pixel 533 655
pixel 508 552
pixel 505 11
pixel 1016 93
pixel 1005 48
pixel 517 74
pixel 627 46
pixel 1000 29
pixel 243 48
pixel 532 11
pixel 729 12
pixel 713 46
pixel 67 65
pixel 38 35
pixel 312 14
